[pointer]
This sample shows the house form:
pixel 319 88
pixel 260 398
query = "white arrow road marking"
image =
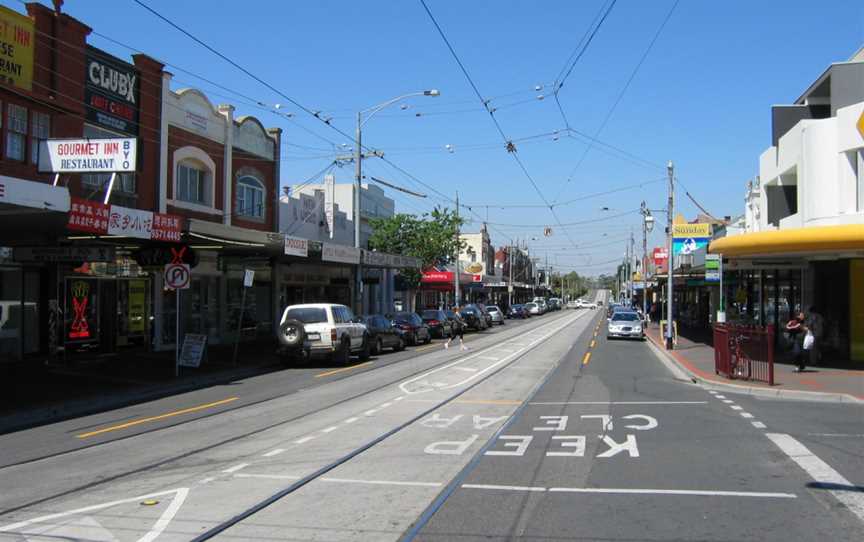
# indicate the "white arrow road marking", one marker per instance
pixel 180 495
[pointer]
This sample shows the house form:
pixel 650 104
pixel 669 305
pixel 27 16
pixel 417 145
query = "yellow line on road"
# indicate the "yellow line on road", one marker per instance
pixel 342 370
pixel 593 342
pixel 155 418
pixel 427 347
pixel 587 358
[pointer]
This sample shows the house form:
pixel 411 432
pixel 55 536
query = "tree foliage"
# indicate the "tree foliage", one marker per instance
pixel 430 237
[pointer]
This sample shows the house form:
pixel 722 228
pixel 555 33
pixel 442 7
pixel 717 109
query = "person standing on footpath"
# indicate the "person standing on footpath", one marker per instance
pixel 816 324
pixel 797 330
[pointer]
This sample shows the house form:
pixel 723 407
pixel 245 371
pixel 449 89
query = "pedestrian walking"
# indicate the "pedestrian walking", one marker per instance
pixel 797 331
pixel 816 324
pixel 460 330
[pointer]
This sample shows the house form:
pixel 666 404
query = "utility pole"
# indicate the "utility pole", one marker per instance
pixel 510 280
pixel 456 262
pixel 644 261
pixel 358 184
pixel 670 168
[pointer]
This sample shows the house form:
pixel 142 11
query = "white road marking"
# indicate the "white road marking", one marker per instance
pixel 272 453
pixel 385 405
pixel 746 415
pixel 469 369
pixel 235 468
pixel 728 401
pixel 504 488
pixel 712 392
pixel 702 493
pixel 758 425
pixel 268 476
pixel 834 435
pixel 370 412
pixel 822 473
pixel 620 403
pixel 154 532
pixel 381 482
pixel 720 396
pixel 330 429
pixel 736 407
pixel 351 420
pixel 206 480
pixel 303 440
pixel 488 358
pixel 399 398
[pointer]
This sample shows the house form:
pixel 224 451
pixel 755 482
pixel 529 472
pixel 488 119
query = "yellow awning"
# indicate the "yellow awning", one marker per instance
pixel 798 240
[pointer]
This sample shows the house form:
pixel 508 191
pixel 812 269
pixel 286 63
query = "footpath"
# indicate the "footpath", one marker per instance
pixel 46 393
pixel 696 360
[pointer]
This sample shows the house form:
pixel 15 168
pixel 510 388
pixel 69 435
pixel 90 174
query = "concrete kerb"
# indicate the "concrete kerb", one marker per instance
pixel 58 412
pixel 683 373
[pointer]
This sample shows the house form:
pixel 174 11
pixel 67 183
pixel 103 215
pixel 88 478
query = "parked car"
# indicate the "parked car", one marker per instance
pixel 486 314
pixel 577 304
pixel 439 324
pixel 554 304
pixel 456 321
pixel 474 317
pixel 496 313
pixel 625 324
pixel 383 334
pixel 533 308
pixel 416 331
pixel 517 311
pixel 322 330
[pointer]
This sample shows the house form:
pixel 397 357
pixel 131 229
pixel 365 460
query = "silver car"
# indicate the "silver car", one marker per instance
pixel 497 315
pixel 625 324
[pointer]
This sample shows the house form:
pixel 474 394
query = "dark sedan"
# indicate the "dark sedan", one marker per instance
pixel 517 311
pixel 416 331
pixel 438 323
pixel 383 334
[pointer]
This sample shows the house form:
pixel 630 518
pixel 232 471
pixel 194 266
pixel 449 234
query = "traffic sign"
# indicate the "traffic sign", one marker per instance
pixel 248 278
pixel 713 267
pixel 177 276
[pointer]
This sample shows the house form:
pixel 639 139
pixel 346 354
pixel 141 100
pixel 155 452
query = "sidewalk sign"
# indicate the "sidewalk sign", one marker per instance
pixel 248 278
pixel 194 346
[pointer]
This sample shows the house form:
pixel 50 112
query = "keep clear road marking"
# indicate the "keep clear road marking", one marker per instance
pixel 822 473
pixel 154 532
pixel 156 418
pixel 342 370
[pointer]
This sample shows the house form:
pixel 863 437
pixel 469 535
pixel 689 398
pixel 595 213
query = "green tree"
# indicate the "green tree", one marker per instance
pixel 430 237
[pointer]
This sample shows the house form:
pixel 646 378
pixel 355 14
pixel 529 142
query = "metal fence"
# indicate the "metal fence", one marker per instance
pixel 744 352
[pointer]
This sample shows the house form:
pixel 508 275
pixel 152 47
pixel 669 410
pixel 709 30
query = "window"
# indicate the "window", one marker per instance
pixel 250 198
pixel 308 315
pixel 16 134
pixel 40 131
pixel 191 184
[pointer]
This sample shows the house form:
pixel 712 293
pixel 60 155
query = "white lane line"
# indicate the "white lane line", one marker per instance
pixel 834 435
pixel 381 482
pixel 712 392
pixel 303 440
pixel 728 401
pixel 385 405
pixel 736 407
pixel 488 358
pixel 469 369
pixel 370 412
pixel 206 480
pixel 702 493
pixel 275 452
pixel 351 420
pixel 822 473
pixel 620 403
pixel 330 429
pixel 720 396
pixel 399 398
pixel 758 425
pixel 503 488
pixel 746 415
pixel 235 468
pixel 268 476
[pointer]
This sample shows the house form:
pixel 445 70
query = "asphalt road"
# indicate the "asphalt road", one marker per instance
pixel 541 431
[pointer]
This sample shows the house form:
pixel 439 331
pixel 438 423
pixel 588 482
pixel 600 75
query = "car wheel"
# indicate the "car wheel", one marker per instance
pixel 365 350
pixel 400 346
pixel 343 355
pixel 428 339
pixel 379 346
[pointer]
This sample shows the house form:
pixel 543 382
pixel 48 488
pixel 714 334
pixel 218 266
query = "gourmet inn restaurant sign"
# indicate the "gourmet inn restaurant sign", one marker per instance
pixel 87 155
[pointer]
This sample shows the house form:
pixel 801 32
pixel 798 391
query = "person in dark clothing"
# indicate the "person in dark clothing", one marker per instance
pixel 797 330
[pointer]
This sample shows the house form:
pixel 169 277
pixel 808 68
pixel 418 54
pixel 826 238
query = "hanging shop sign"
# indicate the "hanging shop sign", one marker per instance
pixel 17 38
pixel 688 238
pixel 76 254
pixel 340 253
pixel 382 259
pixel 111 92
pixel 99 218
pixel 87 155
pixel 474 268
pixel 295 246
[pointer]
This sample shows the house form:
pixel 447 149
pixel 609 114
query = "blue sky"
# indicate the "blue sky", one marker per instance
pixel 702 98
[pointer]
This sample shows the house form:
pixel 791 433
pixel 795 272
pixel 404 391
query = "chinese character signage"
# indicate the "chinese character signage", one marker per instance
pixel 17 38
pixel 98 218
pixel 87 155
pixel 111 92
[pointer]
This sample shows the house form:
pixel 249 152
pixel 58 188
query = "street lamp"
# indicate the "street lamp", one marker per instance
pixel 358 177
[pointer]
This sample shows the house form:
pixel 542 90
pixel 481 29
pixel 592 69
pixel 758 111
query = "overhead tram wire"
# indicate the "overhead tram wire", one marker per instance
pixel 619 98
pixel 570 201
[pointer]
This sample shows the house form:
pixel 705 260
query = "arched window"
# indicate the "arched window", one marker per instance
pixel 250 197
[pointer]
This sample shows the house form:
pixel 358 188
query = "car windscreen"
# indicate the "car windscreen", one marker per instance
pixel 430 314
pixel 530 305
pixel 625 316
pixel 308 315
pixel 407 318
pixel 492 308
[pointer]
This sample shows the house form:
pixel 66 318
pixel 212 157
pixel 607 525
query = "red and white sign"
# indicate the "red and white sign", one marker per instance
pixel 477 278
pixel 437 276
pixel 95 217
pixel 295 246
pixel 177 276
pixel 87 155
pixel 660 255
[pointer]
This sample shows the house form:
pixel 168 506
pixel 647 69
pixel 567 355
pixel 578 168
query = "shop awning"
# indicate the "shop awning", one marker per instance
pixel 819 239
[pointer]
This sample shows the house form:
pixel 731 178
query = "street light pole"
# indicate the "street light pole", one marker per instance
pixel 670 169
pixel 510 281
pixel 456 262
